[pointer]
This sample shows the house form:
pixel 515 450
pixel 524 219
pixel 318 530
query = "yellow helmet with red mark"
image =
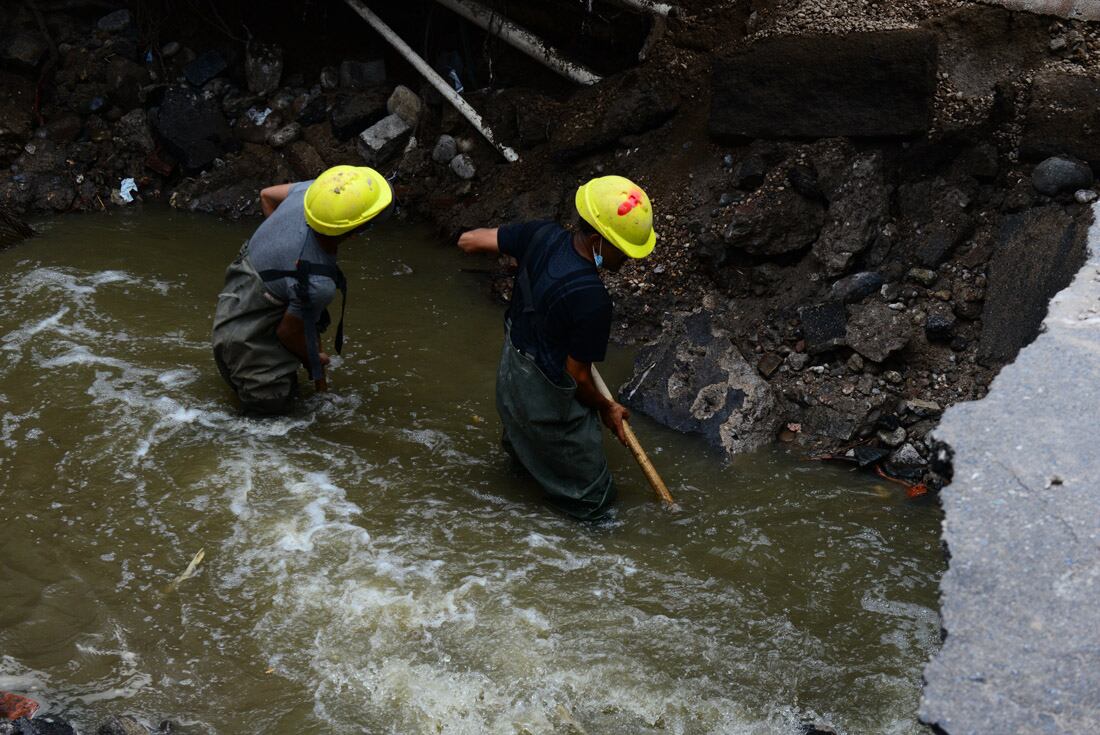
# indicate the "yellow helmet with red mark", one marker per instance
pixel 620 211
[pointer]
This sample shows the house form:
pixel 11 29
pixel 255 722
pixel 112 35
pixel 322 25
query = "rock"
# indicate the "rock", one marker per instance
pixel 797 360
pixel 1037 254
pixel 193 128
pixel 445 149
pixel 823 326
pixel 170 49
pixel 1085 196
pixel 26 49
pixel 405 103
pixel 285 135
pixel 263 67
pixel 829 423
pixel 1062 117
pixel 819 86
pixel 42 725
pixel 906 462
pixel 133 132
pixel 329 79
pixel 893 438
pixel 749 173
pixel 982 162
pixel 205 67
pixel 695 380
pixel 1061 174
pixel 122 725
pixel 115 22
pixel 939 325
pixel 463 166
pixel 869 456
pixel 923 276
pixel 855 363
pixel 381 141
pixel 314 111
pixel 63 129
pixel 803 179
pixel 362 74
pixel 856 212
pixel 354 113
pixel 304 160
pixel 876 331
pixel 922 408
pixel 856 287
pixel 768 364
pixel 893 377
pixel 774 223
pixel 817 728
pixel 627 104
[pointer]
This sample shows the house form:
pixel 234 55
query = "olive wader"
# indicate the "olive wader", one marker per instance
pixel 260 370
pixel 546 429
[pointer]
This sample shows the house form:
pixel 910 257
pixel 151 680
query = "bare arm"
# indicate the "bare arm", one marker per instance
pixel 481 240
pixel 272 197
pixel 292 334
pixel 611 413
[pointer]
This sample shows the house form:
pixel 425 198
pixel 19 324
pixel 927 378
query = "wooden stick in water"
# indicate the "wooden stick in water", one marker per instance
pixel 648 469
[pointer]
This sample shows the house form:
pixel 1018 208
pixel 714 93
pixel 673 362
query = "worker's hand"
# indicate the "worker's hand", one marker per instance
pixel 324 358
pixel 613 415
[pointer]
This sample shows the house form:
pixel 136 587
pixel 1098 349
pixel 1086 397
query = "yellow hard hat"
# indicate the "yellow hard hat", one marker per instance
pixel 344 197
pixel 620 211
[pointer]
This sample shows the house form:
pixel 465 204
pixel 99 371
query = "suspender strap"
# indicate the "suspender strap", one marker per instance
pixel 303 269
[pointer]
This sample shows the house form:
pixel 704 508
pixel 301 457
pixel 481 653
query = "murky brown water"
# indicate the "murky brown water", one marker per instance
pixel 372 563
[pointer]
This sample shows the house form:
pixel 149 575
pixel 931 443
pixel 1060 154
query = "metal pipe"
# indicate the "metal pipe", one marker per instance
pixel 433 78
pixel 530 44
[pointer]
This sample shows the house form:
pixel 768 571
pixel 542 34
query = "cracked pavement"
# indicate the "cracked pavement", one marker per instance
pixel 1021 597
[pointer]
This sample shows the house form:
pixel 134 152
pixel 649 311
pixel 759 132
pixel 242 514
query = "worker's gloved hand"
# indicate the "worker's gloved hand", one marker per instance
pixel 613 415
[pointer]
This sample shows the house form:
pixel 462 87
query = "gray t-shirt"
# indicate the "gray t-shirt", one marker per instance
pixel 280 242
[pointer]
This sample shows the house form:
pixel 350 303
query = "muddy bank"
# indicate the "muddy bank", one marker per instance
pixel 845 249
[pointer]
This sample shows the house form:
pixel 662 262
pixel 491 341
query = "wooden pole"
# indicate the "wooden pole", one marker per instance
pixel 433 78
pixel 522 39
pixel 648 469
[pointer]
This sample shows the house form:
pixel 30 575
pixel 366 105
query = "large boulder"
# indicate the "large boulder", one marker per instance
pixel 1063 117
pixel 857 210
pixel 876 331
pixel 193 128
pixel 1037 255
pixel 353 113
pixel 694 379
pixel 774 223
pixel 877 84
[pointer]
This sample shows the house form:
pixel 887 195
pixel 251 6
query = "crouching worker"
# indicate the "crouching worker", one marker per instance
pixel 273 307
pixel 557 325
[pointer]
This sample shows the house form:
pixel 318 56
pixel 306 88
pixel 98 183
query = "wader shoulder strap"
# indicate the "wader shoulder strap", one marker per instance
pixel 303 269
pixel 537 263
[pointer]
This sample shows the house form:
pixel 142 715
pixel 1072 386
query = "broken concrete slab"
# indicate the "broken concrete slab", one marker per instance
pixel 381 141
pixel 1071 9
pixel 1022 648
pixel 1037 254
pixel 824 86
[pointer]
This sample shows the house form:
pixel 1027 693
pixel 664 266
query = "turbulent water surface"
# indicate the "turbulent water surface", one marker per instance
pixel 373 563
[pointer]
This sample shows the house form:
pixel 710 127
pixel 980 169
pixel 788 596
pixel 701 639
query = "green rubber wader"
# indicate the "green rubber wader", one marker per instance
pixel 556 438
pixel 255 364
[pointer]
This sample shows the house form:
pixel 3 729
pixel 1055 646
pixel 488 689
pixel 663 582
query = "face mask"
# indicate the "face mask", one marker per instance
pixel 598 256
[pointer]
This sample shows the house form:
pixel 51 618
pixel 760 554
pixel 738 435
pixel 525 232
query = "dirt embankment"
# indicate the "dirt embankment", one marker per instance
pixel 853 229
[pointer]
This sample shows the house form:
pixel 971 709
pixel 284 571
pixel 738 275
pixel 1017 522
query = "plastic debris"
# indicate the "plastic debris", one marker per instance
pixel 258 117
pixel 127 190
pixel 455 81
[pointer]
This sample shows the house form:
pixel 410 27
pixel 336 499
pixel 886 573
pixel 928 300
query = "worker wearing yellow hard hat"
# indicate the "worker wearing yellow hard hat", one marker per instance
pixel 274 304
pixel 558 324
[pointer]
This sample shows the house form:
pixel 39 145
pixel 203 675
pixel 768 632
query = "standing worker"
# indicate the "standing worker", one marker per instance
pixel 274 304
pixel 557 325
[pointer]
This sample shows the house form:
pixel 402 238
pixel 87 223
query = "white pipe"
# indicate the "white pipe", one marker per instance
pixel 528 43
pixel 430 74
pixel 649 6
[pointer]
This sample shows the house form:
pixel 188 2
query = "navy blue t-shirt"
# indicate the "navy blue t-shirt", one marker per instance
pixel 571 307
